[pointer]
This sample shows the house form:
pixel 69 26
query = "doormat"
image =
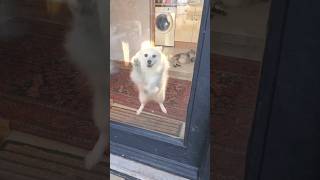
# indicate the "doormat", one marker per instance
pixel 123 114
pixel 123 91
pixel 23 161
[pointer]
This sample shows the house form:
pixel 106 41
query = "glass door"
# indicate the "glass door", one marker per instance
pixel 160 83
pixel 165 34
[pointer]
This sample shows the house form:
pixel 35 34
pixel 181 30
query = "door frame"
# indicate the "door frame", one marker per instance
pixel 180 157
pixel 284 142
pixel 267 88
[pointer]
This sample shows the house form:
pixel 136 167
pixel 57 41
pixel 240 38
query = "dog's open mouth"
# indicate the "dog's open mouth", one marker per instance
pixel 149 65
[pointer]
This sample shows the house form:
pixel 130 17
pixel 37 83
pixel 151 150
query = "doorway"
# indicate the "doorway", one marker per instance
pixel 174 141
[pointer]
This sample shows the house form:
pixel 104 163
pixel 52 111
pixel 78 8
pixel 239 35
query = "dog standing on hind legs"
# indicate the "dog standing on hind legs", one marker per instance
pixel 86 45
pixel 150 75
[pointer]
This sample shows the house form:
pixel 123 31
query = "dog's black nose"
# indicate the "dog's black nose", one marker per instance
pixel 149 61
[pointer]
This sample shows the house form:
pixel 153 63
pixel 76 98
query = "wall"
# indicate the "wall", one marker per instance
pixel 238 3
pixel 130 22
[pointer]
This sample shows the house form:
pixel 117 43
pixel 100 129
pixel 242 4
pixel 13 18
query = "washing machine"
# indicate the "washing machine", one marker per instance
pixel 165 23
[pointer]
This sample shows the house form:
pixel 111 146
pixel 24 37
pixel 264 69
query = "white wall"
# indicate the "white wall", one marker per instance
pixel 130 22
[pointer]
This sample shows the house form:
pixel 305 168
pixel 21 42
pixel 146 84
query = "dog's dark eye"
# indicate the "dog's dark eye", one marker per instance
pixel 154 56
pixel 145 55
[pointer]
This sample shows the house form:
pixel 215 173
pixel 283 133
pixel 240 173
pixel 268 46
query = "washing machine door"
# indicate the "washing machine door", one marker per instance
pixel 164 22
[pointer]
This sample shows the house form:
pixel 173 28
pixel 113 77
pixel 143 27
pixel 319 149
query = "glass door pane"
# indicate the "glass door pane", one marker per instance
pixel 153 52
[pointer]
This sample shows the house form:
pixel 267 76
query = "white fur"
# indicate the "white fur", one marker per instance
pixel 86 45
pixel 151 81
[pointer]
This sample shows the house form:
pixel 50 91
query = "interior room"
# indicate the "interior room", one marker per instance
pixel 171 25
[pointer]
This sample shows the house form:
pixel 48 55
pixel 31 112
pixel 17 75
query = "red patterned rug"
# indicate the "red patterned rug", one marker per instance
pixel 40 91
pixel 123 91
pixel 233 92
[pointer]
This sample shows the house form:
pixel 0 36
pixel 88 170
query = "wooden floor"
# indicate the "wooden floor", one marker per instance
pixel 149 121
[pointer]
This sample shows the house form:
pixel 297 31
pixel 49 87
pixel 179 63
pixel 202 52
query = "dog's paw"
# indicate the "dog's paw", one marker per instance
pixel 136 62
pixel 138 112
pixel 163 109
pixel 140 109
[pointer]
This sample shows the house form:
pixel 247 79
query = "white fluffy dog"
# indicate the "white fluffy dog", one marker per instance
pixel 86 45
pixel 150 75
